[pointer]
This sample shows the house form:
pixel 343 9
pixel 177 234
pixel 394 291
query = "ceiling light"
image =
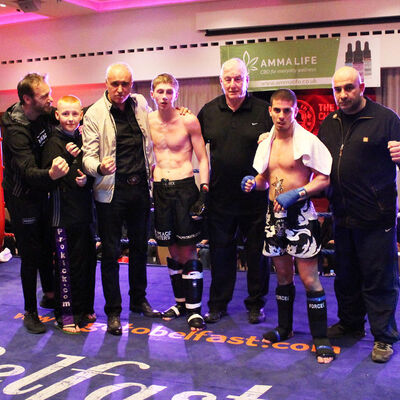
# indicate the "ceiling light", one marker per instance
pixel 29 5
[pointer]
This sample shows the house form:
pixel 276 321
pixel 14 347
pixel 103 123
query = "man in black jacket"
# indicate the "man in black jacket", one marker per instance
pixel 232 123
pixel 27 127
pixel 364 140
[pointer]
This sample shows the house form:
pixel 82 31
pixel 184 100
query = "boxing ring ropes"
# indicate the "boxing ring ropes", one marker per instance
pixel 123 240
pixel 323 251
pixel 2 204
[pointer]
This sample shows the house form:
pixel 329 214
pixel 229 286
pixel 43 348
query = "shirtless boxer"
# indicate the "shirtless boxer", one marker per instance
pixel 286 161
pixel 178 204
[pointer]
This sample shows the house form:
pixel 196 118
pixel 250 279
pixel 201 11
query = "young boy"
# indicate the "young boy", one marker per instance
pixel 177 201
pixel 286 161
pixel 71 218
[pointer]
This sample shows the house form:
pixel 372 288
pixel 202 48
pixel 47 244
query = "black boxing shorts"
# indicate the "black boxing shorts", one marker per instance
pixel 172 222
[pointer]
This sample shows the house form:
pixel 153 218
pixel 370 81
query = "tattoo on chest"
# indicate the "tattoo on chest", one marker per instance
pixel 278 187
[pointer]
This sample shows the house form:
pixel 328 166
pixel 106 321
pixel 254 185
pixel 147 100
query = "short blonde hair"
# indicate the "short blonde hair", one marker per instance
pixel 70 99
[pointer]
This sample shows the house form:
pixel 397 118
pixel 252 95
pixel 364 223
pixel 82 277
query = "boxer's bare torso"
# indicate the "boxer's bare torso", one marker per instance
pixel 172 145
pixel 283 172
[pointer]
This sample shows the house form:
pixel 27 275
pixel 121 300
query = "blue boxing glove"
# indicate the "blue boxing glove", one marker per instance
pixel 245 180
pixel 289 198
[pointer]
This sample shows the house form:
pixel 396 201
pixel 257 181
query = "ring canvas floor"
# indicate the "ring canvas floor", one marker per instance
pixel 155 359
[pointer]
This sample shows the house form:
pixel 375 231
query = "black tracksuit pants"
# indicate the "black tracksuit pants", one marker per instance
pixel 31 225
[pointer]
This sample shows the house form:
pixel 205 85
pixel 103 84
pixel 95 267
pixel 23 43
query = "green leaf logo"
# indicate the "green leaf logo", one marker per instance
pixel 250 63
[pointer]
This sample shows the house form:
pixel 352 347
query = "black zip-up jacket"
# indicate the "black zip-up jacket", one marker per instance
pixel 23 142
pixel 363 178
pixel 70 204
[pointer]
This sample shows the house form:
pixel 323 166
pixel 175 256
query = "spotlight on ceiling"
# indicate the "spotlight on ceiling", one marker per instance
pixel 29 5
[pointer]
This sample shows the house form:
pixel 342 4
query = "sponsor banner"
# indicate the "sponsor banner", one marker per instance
pixel 296 82
pixel 306 64
pixel 363 54
pixel 315 105
pixel 193 336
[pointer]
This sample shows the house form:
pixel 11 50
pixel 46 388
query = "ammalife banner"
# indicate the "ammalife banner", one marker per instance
pixel 306 64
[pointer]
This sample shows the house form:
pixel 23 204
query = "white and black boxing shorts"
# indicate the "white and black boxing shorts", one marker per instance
pixel 301 237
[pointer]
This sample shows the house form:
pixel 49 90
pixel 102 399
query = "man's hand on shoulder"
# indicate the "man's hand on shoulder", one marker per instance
pixel 394 149
pixel 263 136
pixel 59 168
pixel 183 110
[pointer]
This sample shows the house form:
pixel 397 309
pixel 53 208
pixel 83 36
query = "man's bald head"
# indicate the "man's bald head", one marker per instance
pixel 348 90
pixel 347 73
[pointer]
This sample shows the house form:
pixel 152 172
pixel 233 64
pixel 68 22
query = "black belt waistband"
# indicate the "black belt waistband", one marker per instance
pixel 167 182
pixel 134 179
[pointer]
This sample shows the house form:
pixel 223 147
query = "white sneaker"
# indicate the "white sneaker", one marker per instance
pixel 5 255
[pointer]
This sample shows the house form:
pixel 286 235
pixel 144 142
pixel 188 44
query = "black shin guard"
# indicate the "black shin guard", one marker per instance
pixel 193 281
pixel 317 313
pixel 285 295
pixel 175 273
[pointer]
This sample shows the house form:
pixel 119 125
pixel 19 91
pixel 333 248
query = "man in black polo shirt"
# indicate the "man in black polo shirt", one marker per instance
pixel 231 123
pixel 118 153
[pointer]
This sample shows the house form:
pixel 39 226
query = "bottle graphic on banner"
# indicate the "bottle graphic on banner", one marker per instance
pixel 348 60
pixel 358 60
pixel 367 60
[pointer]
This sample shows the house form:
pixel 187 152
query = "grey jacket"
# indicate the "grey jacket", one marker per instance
pixel 99 141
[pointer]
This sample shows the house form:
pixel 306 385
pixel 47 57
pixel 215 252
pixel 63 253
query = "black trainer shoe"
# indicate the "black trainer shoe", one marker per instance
pixel 145 308
pixel 256 316
pixel 339 330
pixel 214 316
pixel 33 324
pixel 114 325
